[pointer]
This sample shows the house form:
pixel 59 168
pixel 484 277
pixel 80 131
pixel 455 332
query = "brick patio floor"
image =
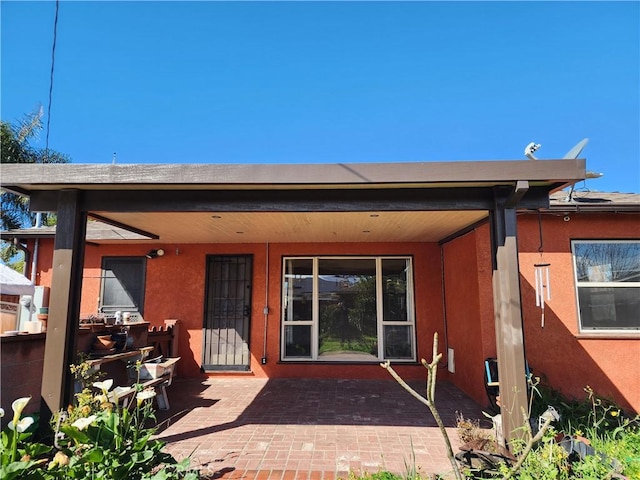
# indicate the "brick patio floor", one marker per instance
pixel 314 429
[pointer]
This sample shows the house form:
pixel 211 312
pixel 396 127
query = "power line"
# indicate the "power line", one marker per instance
pixel 53 60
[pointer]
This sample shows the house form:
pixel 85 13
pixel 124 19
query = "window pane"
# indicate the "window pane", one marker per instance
pixel 298 287
pixel 607 262
pixel 122 284
pixel 297 340
pixel 612 308
pixel 394 289
pixel 398 342
pixel 347 308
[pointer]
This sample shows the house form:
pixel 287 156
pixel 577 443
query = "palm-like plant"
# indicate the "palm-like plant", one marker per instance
pixel 15 148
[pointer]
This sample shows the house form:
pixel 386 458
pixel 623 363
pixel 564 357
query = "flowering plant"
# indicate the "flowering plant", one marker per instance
pixel 97 438
pixel 102 439
pixel 17 456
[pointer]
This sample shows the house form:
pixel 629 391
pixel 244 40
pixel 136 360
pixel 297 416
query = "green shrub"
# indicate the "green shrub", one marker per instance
pixel 614 435
pixel 97 439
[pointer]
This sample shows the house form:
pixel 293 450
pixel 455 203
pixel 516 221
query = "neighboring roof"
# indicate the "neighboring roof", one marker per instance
pixel 581 200
pixel 95 231
pixel 14 283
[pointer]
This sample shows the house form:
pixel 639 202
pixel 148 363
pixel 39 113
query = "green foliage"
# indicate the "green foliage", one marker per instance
pixel 593 414
pixel 83 373
pixel 115 445
pixel 624 446
pixel 19 456
pixel 8 254
pixel 613 434
pixel 15 141
pixel 383 475
pixel 15 147
pixel 548 460
pixel 97 439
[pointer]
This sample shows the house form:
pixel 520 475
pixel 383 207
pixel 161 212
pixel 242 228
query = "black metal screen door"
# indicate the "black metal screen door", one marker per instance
pixel 227 313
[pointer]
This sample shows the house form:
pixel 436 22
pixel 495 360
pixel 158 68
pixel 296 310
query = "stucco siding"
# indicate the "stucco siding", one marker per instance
pixel 567 360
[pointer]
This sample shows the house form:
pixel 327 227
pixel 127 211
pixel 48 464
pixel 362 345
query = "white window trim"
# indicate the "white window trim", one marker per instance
pixel 583 284
pixel 381 323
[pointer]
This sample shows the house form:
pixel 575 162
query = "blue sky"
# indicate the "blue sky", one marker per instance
pixel 331 82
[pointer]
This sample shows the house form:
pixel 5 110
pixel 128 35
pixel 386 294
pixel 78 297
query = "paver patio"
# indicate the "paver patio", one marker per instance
pixel 254 428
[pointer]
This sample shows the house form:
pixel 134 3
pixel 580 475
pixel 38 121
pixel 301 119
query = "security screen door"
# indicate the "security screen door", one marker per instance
pixel 227 313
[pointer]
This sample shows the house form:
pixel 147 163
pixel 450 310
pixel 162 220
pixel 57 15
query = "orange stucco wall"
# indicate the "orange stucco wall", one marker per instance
pixel 175 288
pixel 469 310
pixel 570 361
pixel 565 359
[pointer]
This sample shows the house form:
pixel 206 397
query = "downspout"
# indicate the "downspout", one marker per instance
pixel 34 262
pixel 444 306
pixel 265 310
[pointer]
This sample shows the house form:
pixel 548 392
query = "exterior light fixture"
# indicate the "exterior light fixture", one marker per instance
pixel 155 253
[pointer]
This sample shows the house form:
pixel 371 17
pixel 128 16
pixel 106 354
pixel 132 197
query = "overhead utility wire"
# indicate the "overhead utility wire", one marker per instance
pixel 53 60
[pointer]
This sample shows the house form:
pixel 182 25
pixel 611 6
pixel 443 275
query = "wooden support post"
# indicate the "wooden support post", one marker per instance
pixel 510 342
pixel 64 304
pixel 508 322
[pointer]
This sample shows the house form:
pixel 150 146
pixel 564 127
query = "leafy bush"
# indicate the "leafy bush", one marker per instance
pixel 17 455
pixel 97 438
pixel 594 422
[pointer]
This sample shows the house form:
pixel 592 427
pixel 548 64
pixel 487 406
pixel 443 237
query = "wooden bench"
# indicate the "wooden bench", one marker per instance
pixel 129 355
pixel 154 374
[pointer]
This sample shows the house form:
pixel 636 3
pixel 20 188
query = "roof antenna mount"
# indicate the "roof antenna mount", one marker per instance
pixel 530 148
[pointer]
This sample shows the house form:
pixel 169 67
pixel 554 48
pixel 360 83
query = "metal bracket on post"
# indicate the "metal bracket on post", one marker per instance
pixel 521 188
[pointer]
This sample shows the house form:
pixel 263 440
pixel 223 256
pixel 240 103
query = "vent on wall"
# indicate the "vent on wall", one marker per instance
pixel 451 365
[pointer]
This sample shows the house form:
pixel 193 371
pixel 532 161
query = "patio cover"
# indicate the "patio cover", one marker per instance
pixel 13 283
pixel 147 199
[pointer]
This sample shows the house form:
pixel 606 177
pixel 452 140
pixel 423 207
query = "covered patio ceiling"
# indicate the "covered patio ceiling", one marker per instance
pixel 297 227
pixel 272 227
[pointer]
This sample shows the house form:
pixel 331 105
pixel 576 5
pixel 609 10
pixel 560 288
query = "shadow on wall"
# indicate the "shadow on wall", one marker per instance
pixel 189 365
pixel 568 363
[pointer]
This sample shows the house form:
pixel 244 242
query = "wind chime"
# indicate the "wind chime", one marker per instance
pixel 541 270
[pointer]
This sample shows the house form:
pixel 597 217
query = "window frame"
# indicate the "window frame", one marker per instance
pixel 578 284
pixel 109 309
pixel 314 323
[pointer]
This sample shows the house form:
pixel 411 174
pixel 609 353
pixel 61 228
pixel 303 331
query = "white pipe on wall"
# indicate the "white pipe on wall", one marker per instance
pixel 266 305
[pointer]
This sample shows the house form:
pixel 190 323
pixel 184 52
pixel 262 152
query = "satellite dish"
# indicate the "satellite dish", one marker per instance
pixel 577 150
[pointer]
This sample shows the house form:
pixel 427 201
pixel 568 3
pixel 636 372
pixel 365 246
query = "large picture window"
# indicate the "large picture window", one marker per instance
pixel 350 309
pixel 608 284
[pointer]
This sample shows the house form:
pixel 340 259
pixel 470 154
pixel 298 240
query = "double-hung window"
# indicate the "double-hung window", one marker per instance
pixel 348 309
pixel 608 284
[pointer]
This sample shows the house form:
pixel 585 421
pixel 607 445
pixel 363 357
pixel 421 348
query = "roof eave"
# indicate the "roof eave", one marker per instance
pixel 554 174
